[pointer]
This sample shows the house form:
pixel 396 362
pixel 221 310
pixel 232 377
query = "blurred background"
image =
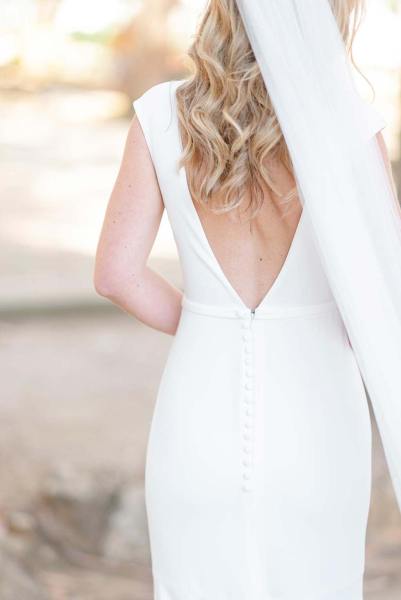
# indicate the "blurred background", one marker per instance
pixel 79 377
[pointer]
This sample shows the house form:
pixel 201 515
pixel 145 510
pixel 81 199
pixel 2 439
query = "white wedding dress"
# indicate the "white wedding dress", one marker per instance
pixel 258 469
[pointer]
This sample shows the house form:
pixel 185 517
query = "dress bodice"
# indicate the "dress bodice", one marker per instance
pixel 301 280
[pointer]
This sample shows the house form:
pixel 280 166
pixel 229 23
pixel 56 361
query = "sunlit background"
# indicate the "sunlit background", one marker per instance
pixel 79 377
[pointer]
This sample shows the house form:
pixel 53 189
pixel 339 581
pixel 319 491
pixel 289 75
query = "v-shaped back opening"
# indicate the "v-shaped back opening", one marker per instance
pixel 208 246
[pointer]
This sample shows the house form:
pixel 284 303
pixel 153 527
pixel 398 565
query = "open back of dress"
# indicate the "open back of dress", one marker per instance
pixel 258 466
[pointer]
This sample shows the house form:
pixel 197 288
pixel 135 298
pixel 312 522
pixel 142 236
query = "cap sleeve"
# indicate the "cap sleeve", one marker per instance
pixel 141 109
pixel 154 111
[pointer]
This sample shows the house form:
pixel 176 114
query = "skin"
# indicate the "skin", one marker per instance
pixel 250 260
pixel 129 230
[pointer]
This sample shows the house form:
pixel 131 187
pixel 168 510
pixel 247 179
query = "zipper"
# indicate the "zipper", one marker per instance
pixel 252 311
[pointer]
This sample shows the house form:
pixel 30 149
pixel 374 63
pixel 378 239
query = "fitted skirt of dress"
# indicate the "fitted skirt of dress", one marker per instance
pixel 258 467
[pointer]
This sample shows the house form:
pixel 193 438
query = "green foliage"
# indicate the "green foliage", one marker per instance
pixel 394 5
pixel 99 37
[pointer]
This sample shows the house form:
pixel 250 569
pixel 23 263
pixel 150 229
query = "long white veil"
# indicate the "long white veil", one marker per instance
pixel 343 182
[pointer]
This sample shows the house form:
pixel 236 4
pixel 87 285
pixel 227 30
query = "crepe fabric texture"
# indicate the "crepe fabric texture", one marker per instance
pixel 258 464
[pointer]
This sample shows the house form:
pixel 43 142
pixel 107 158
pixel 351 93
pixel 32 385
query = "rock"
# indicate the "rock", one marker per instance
pixel 74 507
pixel 127 537
pixel 47 555
pixel 20 522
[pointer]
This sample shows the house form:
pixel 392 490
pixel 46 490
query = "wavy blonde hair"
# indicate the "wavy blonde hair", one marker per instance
pixel 228 126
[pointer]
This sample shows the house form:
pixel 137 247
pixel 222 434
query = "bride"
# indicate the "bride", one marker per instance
pixel 258 467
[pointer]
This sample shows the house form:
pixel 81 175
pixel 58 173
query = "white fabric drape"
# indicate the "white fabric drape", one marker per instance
pixel 343 181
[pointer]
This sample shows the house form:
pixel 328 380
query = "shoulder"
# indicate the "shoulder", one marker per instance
pixel 154 95
pixel 154 108
pixel 154 122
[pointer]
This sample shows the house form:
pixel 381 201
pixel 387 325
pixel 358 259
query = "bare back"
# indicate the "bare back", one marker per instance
pixel 252 253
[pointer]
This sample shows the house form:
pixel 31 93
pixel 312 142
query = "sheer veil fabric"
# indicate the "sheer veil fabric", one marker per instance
pixel 343 183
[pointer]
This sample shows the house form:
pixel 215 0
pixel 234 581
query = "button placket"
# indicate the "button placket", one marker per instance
pixel 247 395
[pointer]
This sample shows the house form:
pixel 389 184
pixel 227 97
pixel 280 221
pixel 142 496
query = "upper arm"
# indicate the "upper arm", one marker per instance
pixel 133 213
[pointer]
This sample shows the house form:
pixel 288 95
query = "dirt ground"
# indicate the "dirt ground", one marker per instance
pixel 78 389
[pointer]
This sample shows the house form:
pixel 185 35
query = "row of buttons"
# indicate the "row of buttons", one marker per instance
pixel 248 408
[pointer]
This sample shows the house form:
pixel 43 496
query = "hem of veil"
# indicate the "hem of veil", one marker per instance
pixel 261 312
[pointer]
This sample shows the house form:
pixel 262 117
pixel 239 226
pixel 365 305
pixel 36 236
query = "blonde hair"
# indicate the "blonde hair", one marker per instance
pixel 228 126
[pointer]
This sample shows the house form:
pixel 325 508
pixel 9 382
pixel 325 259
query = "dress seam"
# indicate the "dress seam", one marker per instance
pixel 265 312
